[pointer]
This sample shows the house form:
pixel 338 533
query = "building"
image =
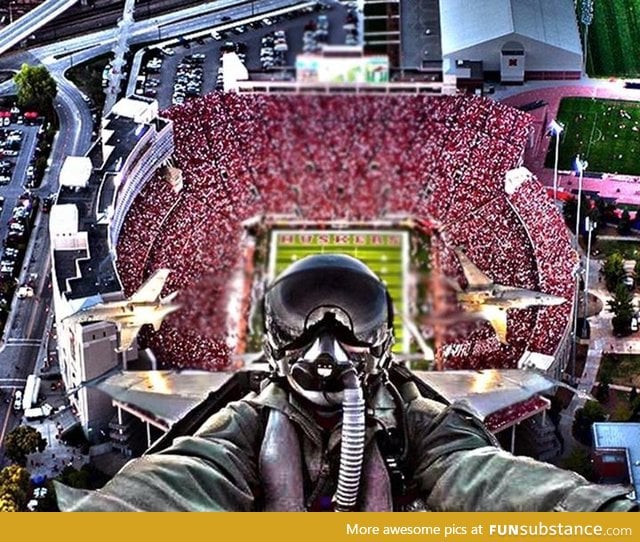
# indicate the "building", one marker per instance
pixel 616 455
pixel 408 33
pixel 95 194
pixel 515 40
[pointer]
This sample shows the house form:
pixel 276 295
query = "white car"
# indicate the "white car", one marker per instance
pixel 24 291
pixel 17 400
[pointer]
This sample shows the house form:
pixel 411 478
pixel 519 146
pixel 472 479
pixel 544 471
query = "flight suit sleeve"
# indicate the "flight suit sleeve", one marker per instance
pixel 458 467
pixel 215 469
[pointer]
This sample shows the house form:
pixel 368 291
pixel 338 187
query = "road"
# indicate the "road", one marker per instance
pixel 23 27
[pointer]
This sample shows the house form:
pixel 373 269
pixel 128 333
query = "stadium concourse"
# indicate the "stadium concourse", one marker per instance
pixel 319 157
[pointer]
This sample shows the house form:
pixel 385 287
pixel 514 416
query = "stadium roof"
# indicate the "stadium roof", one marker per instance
pixel 466 23
pixel 621 435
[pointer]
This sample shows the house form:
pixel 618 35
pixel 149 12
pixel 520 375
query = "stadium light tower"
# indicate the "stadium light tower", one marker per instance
pixel 555 129
pixel 589 226
pixel 579 165
pixel 574 321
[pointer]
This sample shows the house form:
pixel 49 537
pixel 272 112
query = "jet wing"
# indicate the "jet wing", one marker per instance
pixel 489 390
pixel 150 290
pixel 166 395
pixel 474 276
pixel 127 335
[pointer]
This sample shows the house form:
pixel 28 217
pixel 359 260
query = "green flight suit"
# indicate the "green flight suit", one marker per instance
pixel 455 462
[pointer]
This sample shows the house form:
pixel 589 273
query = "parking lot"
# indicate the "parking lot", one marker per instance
pixel 18 143
pixel 183 64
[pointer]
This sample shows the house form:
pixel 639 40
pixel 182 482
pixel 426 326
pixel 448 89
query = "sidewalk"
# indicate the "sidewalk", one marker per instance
pixel 602 341
pixel 57 455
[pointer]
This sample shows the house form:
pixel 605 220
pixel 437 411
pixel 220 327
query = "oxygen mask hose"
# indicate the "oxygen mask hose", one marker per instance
pixel 352 445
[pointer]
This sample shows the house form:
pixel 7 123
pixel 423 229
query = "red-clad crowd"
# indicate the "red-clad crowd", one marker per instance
pixel 323 157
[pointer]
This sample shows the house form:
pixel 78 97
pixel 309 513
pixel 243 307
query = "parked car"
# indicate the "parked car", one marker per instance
pixel 17 400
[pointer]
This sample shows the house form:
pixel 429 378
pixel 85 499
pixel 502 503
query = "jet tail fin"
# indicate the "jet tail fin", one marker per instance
pixel 474 276
pixel 158 322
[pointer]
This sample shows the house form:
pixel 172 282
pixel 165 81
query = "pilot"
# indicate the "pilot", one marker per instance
pixel 339 426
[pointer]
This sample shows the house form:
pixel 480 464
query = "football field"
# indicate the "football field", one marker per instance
pixel 384 252
pixel 604 132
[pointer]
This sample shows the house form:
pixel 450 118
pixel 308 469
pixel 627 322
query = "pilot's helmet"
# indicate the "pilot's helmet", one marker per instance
pixel 324 315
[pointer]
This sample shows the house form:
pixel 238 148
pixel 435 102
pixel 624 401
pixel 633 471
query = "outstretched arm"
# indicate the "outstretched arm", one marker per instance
pixel 459 467
pixel 213 470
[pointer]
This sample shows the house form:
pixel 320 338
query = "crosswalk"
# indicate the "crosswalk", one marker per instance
pixel 12 383
pixel 24 342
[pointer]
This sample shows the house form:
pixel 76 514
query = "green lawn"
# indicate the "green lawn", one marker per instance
pixel 630 250
pixel 624 369
pixel 381 251
pixel 604 132
pixel 614 39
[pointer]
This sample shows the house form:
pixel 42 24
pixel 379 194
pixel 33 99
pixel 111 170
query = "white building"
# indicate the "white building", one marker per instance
pixel 95 194
pixel 514 39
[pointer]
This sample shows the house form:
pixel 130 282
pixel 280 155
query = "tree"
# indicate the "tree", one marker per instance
pixel 73 477
pixel 579 461
pixel 36 88
pixel 585 417
pixel 570 209
pixel 613 270
pixel 23 441
pixel 633 394
pixel 621 413
pixel 14 488
pixel 606 212
pixel 623 310
pixel 602 393
pixel 624 226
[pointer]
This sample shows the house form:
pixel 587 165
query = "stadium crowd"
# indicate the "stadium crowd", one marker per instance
pixel 325 157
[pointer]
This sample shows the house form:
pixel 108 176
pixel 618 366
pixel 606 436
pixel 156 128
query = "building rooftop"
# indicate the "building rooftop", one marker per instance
pixel 465 22
pixel 621 435
pixel 420 36
pixel 93 196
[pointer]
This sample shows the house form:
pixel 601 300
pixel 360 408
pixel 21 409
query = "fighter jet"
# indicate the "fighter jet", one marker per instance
pixel 490 301
pixel 143 307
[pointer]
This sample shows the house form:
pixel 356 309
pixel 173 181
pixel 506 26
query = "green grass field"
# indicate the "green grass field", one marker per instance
pixel 382 251
pixel 604 132
pixel 624 369
pixel 614 39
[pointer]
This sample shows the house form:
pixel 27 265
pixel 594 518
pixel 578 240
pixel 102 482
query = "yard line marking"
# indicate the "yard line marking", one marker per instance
pixel 593 127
